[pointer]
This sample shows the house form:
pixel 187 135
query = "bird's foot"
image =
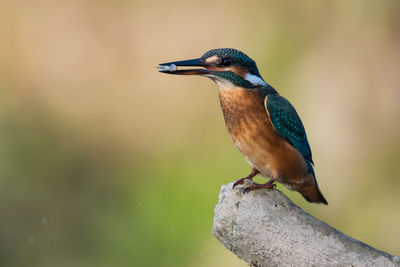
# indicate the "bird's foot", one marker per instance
pixel 238 182
pixel 250 177
pixel 268 185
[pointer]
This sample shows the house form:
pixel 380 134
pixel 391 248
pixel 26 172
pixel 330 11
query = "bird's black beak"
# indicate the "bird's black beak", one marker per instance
pixel 172 67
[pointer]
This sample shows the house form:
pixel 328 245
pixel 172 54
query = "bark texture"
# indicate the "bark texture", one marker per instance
pixel 265 228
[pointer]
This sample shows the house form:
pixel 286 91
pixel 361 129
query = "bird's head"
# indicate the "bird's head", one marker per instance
pixel 226 66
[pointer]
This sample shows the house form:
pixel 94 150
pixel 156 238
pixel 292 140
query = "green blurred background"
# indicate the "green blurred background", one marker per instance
pixel 106 162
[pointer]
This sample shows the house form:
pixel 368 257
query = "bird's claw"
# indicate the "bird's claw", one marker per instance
pixel 259 186
pixel 246 190
pixel 238 182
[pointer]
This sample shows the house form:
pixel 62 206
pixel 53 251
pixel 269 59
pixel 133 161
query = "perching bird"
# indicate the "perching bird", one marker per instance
pixel 263 125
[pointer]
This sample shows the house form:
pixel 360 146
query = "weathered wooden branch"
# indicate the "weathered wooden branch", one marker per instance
pixel 265 228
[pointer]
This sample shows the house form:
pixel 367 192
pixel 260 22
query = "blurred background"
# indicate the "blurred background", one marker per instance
pixel 106 162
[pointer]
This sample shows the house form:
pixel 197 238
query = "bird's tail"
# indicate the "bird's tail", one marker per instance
pixel 310 189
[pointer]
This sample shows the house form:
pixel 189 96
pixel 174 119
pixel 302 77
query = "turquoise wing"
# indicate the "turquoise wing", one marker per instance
pixel 288 124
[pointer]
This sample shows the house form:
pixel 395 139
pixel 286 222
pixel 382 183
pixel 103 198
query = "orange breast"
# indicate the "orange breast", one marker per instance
pixel 251 131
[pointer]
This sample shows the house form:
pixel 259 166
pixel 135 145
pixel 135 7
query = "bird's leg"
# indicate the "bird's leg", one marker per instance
pixel 268 185
pixel 250 176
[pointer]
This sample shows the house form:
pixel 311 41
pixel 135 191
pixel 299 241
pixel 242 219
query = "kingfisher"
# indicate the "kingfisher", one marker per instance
pixel 262 124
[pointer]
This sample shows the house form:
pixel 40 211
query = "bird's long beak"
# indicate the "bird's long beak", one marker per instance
pixel 172 67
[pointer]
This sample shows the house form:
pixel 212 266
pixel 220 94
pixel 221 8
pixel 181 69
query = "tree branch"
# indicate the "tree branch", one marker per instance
pixel 265 228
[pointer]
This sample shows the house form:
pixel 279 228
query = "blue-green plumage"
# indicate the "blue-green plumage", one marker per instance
pixel 288 124
pixel 232 77
pixel 236 56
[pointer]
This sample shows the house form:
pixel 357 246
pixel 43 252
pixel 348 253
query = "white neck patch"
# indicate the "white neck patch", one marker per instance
pixel 222 83
pixel 255 80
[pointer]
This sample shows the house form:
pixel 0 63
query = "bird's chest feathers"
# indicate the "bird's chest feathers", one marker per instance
pixel 246 118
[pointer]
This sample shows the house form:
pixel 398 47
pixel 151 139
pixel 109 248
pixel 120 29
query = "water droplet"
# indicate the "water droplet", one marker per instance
pixel 44 220
pixel 31 239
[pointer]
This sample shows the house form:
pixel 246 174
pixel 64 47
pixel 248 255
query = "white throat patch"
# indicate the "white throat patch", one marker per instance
pixel 255 80
pixel 222 83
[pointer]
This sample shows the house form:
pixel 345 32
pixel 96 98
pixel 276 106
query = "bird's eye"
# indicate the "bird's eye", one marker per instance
pixel 226 62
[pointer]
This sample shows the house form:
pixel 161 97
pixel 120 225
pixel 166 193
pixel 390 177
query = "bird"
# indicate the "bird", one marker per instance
pixel 262 124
